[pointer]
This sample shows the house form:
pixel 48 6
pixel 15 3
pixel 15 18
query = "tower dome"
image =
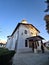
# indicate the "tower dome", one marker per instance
pixel 24 21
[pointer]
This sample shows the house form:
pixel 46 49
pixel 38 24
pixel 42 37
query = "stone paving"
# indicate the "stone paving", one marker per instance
pixel 31 59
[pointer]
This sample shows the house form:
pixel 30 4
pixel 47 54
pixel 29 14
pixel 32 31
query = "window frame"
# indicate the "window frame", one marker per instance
pixel 25 31
pixel 26 44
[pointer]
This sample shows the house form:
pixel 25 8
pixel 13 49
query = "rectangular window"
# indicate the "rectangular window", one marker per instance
pixel 26 43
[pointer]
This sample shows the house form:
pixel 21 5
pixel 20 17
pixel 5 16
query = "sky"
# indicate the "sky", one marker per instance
pixel 14 11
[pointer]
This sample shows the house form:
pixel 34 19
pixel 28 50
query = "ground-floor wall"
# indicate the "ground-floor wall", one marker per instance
pixel 28 48
pixel 22 50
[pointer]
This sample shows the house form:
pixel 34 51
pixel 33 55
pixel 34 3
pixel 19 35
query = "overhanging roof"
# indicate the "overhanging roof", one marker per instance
pixel 35 38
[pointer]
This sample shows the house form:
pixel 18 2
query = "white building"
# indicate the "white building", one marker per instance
pixel 47 44
pixel 2 44
pixel 23 37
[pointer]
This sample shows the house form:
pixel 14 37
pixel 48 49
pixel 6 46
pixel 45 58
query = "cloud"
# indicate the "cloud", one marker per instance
pixel 2 41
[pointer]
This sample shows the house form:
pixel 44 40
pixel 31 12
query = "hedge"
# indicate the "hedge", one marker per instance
pixel 6 56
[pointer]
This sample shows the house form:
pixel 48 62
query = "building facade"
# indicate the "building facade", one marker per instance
pixel 46 44
pixel 19 40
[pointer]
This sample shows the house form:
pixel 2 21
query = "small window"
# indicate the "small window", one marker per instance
pixel 26 43
pixel 25 31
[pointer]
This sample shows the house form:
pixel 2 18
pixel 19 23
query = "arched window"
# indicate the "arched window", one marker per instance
pixel 25 31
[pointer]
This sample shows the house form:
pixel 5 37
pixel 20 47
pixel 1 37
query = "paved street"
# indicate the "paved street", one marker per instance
pixel 31 59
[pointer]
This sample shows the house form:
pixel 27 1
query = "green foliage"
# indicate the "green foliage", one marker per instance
pixel 5 56
pixel 47 26
pixel 3 50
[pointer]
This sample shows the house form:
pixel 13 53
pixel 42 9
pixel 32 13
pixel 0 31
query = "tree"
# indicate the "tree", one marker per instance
pixel 46 18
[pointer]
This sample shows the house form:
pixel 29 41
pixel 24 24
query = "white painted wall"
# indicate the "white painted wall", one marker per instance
pixel 11 42
pixel 15 38
pixel 47 44
pixel 20 39
pixel 39 47
pixel 8 43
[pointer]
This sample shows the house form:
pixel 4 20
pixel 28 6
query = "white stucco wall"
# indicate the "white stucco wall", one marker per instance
pixel 9 43
pixel 22 38
pixel 47 44
pixel 19 36
pixel 39 47
pixel 15 39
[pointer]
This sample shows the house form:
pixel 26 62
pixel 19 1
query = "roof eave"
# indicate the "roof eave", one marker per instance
pixel 23 24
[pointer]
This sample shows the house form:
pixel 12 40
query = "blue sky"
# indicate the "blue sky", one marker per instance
pixel 13 11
